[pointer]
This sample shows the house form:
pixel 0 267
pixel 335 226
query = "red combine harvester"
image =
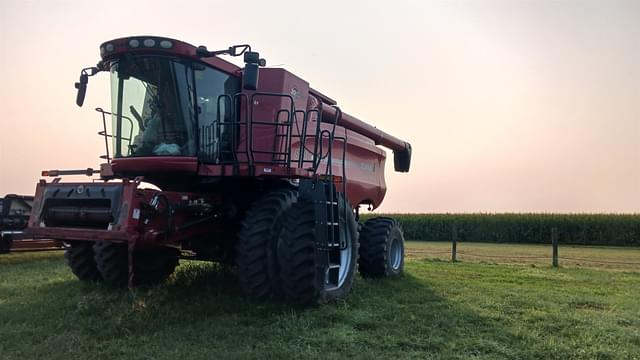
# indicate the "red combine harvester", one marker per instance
pixel 267 176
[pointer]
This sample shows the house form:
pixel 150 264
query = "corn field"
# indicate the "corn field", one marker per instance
pixel 583 229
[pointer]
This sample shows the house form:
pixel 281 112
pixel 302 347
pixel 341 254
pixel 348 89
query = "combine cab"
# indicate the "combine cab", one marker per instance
pixel 250 167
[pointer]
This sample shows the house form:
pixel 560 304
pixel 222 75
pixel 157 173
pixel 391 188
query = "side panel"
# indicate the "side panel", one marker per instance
pixel 289 94
pixel 363 163
pixel 365 171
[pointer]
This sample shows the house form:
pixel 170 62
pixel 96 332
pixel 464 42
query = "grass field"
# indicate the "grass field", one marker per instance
pixel 596 257
pixel 438 310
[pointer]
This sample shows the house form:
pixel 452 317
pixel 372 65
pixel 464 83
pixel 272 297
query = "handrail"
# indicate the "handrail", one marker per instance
pixel 106 135
pixel 239 110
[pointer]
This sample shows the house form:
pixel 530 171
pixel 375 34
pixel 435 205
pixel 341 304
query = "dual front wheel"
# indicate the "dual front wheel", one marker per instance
pixel 313 272
pixel 109 262
pixel 280 256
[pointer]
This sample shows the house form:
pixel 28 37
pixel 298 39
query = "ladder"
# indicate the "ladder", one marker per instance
pixel 330 208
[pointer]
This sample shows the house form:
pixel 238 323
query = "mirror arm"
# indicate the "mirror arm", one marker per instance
pixel 90 71
pixel 252 62
pixel 235 50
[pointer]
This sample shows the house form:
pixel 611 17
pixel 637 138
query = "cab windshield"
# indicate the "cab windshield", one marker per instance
pixel 153 107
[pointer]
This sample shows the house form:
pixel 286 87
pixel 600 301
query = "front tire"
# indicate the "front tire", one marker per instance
pixel 80 258
pixel 112 261
pixel 150 266
pixel 304 279
pixel 381 248
pixel 256 250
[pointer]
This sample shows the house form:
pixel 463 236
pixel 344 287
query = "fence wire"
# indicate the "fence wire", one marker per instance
pixel 466 253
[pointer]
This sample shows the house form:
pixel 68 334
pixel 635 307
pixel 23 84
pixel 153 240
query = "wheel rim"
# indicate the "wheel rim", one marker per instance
pixel 395 254
pixel 335 277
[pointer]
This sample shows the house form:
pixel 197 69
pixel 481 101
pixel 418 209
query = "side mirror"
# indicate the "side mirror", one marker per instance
pixel 250 77
pixel 82 89
pixel 81 85
pixel 251 69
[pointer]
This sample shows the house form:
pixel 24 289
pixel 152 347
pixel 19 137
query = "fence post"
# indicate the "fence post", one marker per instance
pixel 454 241
pixel 554 244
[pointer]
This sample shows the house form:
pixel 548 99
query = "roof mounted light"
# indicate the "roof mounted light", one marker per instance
pixel 109 47
pixel 134 43
pixel 166 44
pixel 149 43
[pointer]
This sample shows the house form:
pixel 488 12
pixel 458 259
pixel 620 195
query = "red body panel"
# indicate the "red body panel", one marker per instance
pixel 174 164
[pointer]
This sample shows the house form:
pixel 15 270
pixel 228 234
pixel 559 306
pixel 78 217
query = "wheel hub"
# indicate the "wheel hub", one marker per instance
pixel 395 254
pixel 339 261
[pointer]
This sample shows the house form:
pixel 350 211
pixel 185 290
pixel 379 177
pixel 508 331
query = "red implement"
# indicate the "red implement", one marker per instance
pixel 235 157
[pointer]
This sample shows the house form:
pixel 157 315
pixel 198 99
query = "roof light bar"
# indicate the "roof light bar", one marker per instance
pixel 135 43
pixel 166 44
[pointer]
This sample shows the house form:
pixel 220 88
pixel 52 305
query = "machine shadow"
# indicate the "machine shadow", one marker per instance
pixel 375 309
pixel 204 298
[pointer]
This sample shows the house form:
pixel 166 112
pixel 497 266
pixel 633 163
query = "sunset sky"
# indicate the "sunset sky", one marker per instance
pixel 511 106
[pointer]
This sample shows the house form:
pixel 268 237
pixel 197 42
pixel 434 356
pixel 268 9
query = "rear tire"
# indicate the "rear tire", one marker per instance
pixel 381 248
pixel 256 250
pixel 150 266
pixel 303 278
pixel 80 258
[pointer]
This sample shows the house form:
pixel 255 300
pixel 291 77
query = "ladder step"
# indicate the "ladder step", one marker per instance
pixel 328 245
pixel 334 266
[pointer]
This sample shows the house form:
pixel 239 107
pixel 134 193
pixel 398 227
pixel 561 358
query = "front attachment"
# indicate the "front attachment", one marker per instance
pixel 118 232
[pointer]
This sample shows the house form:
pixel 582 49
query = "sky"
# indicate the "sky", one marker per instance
pixel 510 106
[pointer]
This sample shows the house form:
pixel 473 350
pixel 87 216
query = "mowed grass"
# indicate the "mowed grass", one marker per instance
pixel 438 310
pixel 597 257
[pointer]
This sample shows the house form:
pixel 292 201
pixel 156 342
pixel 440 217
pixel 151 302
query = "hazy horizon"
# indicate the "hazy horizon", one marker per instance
pixel 510 106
